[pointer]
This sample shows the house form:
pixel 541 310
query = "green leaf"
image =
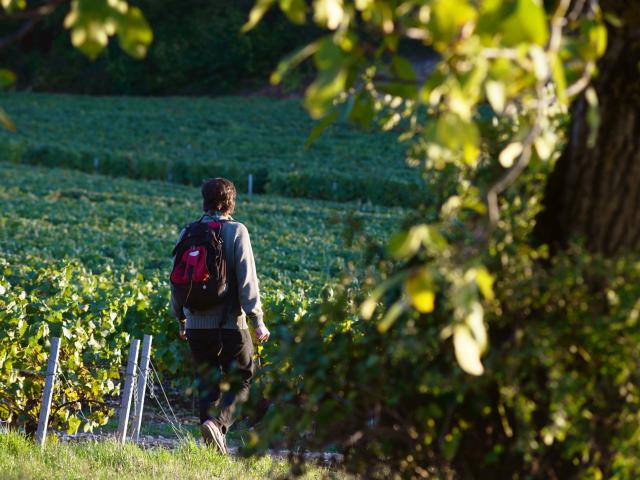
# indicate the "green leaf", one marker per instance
pixel 419 289
pixel 559 79
pixel 391 316
pixel 593 116
pixel 404 82
pixel 7 78
pixel 527 23
pixel 13 5
pixel 295 10
pixel 403 69
pixel 448 17
pixel 458 135
pixel 363 110
pixel 320 127
pixel 369 305
pixel 73 423
pixel 320 95
pixel 257 12
pixel 595 35
pixel 485 282
pixel 93 22
pixel 328 56
pixel 135 33
pixel 405 244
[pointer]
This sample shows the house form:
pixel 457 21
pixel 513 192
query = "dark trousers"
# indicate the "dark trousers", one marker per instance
pixel 224 364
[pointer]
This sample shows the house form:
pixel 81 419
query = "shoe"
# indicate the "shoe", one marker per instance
pixel 212 435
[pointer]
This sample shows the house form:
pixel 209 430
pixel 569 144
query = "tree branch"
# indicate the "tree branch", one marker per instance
pixel 31 17
pixel 36 13
pixel 17 36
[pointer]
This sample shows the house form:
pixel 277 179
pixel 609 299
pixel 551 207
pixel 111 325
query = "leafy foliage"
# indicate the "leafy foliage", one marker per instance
pixel 85 310
pixel 87 258
pixel 196 50
pixel 92 22
pixel 377 377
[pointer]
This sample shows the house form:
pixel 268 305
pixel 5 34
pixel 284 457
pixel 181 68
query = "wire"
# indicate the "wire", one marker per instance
pixel 180 432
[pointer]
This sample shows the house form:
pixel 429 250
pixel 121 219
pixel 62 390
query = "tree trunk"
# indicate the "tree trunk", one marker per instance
pixel 594 192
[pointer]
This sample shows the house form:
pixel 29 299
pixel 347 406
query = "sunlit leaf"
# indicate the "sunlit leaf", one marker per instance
pixel 391 316
pixel 328 13
pixel 135 33
pixel 404 244
pixel 447 19
pixel 295 10
pixel 485 282
pixel 73 423
pixel 596 40
pixel 475 321
pixel 12 5
pixel 559 79
pixel 458 135
pixel 593 116
pixel 369 305
pixel 496 94
pixel 509 154
pixel 545 144
pixel 467 350
pixel 420 290
pixel 540 62
pixel 293 60
pixel 527 23
pixel 320 95
pixel 257 12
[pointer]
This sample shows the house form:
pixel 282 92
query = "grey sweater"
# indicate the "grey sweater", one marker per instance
pixel 242 278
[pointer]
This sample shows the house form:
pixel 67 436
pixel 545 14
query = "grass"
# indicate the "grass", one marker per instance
pixel 21 459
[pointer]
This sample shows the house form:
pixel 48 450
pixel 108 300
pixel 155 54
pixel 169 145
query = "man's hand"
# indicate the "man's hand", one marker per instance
pixel 182 332
pixel 262 334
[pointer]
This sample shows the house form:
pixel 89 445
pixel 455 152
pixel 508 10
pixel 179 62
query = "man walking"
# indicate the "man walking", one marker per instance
pixel 218 335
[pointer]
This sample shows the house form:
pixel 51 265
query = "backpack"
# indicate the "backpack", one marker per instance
pixel 199 274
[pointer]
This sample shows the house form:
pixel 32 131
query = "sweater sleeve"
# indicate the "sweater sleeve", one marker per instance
pixel 248 289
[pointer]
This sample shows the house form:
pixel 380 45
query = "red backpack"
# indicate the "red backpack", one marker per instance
pixel 199 274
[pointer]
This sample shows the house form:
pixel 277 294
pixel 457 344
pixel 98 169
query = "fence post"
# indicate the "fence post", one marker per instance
pixel 125 404
pixel 250 181
pixel 50 380
pixel 142 387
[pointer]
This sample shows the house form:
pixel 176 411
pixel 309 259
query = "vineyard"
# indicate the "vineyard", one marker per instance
pixel 183 140
pixel 86 257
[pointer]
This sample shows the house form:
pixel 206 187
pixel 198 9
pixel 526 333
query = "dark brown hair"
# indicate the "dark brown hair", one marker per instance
pixel 219 194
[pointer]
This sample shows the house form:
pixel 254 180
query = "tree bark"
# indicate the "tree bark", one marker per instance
pixel 593 193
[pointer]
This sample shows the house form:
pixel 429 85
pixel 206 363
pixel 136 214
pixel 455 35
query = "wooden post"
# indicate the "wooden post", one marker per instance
pixel 50 380
pixel 142 386
pixel 250 188
pixel 125 404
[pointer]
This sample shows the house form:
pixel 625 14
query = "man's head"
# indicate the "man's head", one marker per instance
pixel 219 194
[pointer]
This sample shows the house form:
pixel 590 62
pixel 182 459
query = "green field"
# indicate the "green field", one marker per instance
pixel 184 140
pixel 20 459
